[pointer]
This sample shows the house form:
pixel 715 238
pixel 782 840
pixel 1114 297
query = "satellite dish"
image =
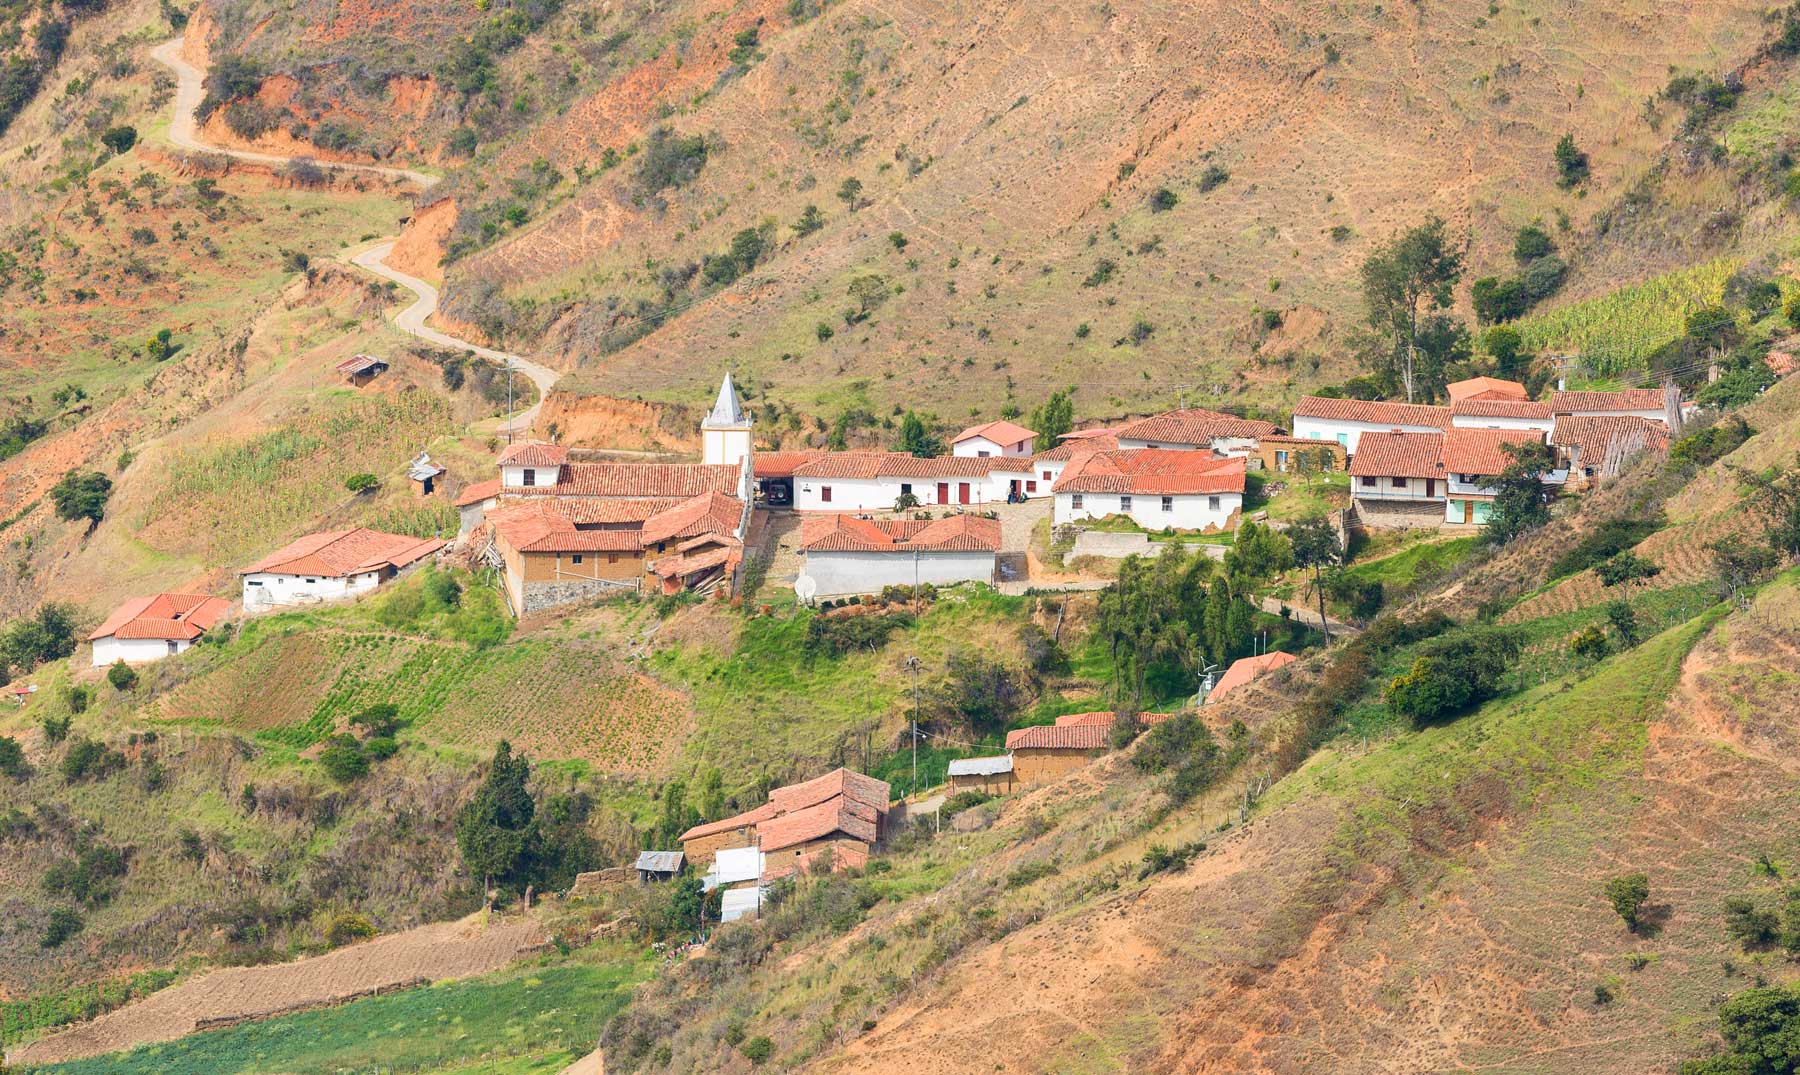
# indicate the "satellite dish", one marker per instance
pixel 806 587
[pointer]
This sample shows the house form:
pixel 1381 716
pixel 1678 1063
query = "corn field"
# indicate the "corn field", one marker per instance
pixel 1617 331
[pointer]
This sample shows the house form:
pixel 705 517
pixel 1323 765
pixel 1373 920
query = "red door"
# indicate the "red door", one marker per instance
pixel 1430 486
pixel 943 493
pixel 962 492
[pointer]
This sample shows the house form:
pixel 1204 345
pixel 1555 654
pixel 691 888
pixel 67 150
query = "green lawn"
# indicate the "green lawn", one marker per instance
pixel 1418 563
pixel 520 1021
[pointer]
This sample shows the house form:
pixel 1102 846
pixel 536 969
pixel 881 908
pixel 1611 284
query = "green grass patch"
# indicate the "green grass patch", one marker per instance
pixel 523 1020
pixel 23 1018
pixel 1417 564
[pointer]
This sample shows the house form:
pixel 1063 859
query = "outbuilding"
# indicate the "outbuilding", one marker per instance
pixel 150 628
pixel 991 775
pixel 848 555
pixel 331 566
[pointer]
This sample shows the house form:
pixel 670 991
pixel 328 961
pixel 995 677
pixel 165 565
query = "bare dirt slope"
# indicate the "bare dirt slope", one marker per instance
pixel 1014 147
pixel 427 954
pixel 1431 905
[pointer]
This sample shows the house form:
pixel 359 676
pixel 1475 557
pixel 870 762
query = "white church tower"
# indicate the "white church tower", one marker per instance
pixel 725 435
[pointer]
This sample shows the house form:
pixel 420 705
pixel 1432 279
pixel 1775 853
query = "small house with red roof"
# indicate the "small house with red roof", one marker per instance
pixel 1471 460
pixel 1245 669
pixel 359 370
pixel 1396 480
pixel 1047 752
pixel 847 555
pixel 1197 428
pixel 331 566
pixel 151 628
pixel 1157 488
pixel 1500 413
pixel 842 814
pixel 992 439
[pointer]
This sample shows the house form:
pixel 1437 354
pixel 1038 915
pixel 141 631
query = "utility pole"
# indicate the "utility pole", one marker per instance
pixel 509 401
pixel 912 664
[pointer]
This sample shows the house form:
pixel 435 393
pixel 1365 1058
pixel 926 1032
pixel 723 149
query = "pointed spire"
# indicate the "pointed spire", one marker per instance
pixel 728 410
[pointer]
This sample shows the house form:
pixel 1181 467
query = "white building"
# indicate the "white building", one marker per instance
pixel 725 434
pixel 1194 428
pixel 151 628
pixel 993 439
pixel 1501 414
pixel 531 465
pixel 1157 488
pixel 847 555
pixel 331 566
pixel 1346 420
pixel 1397 480
pixel 875 481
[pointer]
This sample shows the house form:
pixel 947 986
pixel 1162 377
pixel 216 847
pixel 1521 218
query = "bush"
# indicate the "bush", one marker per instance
pixel 669 160
pixel 1750 925
pixel 1602 543
pixel 119 139
pixel 966 800
pixel 1213 178
pixel 1160 859
pixel 122 676
pixel 1572 167
pixel 1760 1027
pixel 1589 642
pixel 1531 243
pixel 88 757
pixel 56 729
pixel 1454 673
pixel 12 758
pixel 838 635
pixel 380 748
pixel 1627 895
pixel 1162 200
pixel 758 1050
pixel 348 929
pixel 361 483
pixel 63 924
pixel 81 494
pixel 344 761
pixel 48 635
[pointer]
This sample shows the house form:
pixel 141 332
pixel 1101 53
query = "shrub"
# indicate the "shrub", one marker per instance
pixel 119 139
pixel 966 800
pixel 361 483
pixel 87 757
pixel 62 925
pixel 669 160
pixel 1760 1027
pixel 12 758
pixel 1603 543
pixel 380 748
pixel 348 929
pixel 758 1050
pixel 344 761
pixel 1453 673
pixel 1531 243
pixel 1215 177
pixel 122 676
pixel 1572 168
pixel 381 719
pixel 1162 199
pixel 838 635
pixel 1589 642
pixel 48 635
pixel 1750 925
pixel 81 494
pixel 1160 859
pixel 56 729
pixel 1627 895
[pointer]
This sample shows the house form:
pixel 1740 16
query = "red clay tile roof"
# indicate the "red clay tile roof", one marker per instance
pixel 1004 433
pixel 863 796
pixel 814 822
pixel 680 566
pixel 845 533
pixel 1631 399
pixel 1245 669
pixel 476 492
pixel 1059 736
pixel 1781 361
pixel 1480 407
pixel 712 513
pixel 165 615
pixel 1103 718
pixel 1153 472
pixel 1590 434
pixel 1317 442
pixel 1485 388
pixel 1372 412
pixel 358 363
pixel 902 465
pixel 1089 434
pixel 680 480
pixel 1069 449
pixel 543 528
pixel 337 553
pixel 1398 455
pixel 629 513
pixel 1194 425
pixel 534 454
pixel 1481 451
pixel 782 464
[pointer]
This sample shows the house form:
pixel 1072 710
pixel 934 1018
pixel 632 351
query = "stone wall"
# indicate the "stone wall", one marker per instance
pixel 542 595
pixel 1399 514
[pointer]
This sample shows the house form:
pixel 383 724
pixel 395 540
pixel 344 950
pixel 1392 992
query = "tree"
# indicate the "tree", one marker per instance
pixel 1217 624
pixel 1260 552
pixel 1773 495
pixel 1571 163
pixel 12 758
pixel 361 483
pixel 121 675
pixel 1627 895
pixel 1316 546
pixel 1520 503
pixel 1589 642
pixel 869 291
pixel 1761 1028
pixel 1454 672
pixel 712 794
pixel 1532 242
pixel 343 759
pixel 983 692
pixel 915 439
pixel 850 193
pixel 1153 612
pixel 1402 279
pixel 1051 419
pixel 677 815
pixel 1739 563
pixel 811 220
pixel 1623 620
pixel 1625 569
pixel 1507 348
pixel 119 139
pixel 82 494
pixel 47 635
pixel 494 829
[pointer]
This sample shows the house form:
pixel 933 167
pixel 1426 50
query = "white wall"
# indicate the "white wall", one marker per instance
pixel 514 477
pixel 880 494
pixel 724 444
pixel 266 590
pixel 981 446
pixel 1384 487
pixel 133 650
pixel 1189 512
pixel 1225 446
pixel 1472 421
pixel 867 572
pixel 1348 433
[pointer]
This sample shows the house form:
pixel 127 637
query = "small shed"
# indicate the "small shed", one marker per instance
pixel 991 775
pixel 359 370
pixel 424 475
pixel 659 865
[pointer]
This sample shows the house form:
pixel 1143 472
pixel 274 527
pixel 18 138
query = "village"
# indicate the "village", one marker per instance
pixel 558 530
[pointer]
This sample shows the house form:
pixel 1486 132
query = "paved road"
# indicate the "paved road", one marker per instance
pixel 190 88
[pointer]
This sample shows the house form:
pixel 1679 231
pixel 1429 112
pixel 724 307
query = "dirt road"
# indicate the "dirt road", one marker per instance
pixel 427 954
pixel 184 133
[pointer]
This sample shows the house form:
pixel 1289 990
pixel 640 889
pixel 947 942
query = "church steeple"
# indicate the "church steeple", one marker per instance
pixel 728 410
pixel 725 434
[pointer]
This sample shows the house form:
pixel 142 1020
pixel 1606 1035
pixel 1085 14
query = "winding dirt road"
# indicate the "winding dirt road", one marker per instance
pixel 184 133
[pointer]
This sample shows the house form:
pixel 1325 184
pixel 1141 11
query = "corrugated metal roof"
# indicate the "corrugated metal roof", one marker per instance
pixel 981 766
pixel 661 861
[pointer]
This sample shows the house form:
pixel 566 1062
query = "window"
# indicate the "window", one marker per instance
pixel 1281 460
pixel 824 494
pixel 252 582
pixel 1168 503
pixel 1212 503
pixel 1368 483
pixel 612 557
pixel 906 488
pixel 1344 439
pixel 1075 501
pixel 1125 502
pixel 530 476
pixel 982 454
pixel 173 647
pixel 1031 487
pixel 1047 476
pixel 311 582
pixel 575 559
pixel 1398 483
